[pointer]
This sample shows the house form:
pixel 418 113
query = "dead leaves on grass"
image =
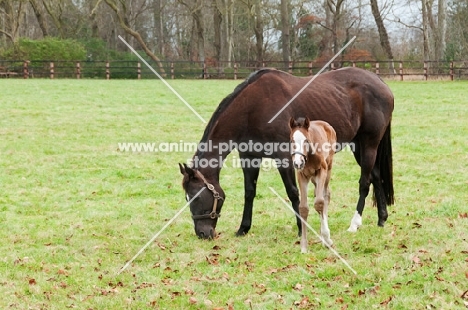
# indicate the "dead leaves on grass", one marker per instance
pixel 304 291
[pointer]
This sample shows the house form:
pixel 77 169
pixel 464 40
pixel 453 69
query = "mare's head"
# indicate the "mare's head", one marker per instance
pixel 299 141
pixel 206 200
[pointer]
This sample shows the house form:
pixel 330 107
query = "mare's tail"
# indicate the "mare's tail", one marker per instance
pixel 384 160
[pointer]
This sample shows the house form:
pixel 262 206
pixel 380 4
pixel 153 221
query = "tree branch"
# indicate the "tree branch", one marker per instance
pixel 126 27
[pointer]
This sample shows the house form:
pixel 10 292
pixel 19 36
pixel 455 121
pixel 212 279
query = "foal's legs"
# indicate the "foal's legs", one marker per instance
pixel 322 199
pixel 303 208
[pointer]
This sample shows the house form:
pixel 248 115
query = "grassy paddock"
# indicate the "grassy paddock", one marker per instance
pixel 74 209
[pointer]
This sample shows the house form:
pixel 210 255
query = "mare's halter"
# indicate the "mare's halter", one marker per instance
pixel 213 214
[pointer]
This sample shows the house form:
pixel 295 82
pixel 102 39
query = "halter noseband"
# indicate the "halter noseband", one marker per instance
pixel 213 214
pixel 300 153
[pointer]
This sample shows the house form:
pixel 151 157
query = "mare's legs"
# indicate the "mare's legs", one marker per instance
pixel 365 154
pixel 303 208
pixel 289 181
pixel 356 221
pixel 250 190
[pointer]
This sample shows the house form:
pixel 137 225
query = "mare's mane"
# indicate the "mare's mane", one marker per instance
pixel 230 98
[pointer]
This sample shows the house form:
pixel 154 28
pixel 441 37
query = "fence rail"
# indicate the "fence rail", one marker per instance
pixel 398 70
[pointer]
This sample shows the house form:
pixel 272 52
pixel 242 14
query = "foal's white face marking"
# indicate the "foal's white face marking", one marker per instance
pixel 187 197
pixel 299 140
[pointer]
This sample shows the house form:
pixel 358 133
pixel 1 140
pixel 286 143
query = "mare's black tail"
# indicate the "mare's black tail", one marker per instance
pixel 385 162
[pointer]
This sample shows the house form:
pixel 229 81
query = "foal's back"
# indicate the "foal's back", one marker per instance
pixel 322 136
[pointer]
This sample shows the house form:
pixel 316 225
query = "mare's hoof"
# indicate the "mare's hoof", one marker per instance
pixel 381 223
pixel 242 231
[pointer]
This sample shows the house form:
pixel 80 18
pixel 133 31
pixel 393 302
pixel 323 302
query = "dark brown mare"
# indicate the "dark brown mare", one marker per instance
pixel 357 103
pixel 312 149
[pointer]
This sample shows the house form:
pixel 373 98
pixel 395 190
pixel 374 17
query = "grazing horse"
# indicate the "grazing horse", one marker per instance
pixel 312 150
pixel 357 103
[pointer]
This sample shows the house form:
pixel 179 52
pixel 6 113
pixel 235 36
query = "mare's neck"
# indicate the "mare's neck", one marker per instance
pixel 209 159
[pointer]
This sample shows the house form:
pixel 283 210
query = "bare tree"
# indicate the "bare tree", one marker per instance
pixel 383 35
pixel 55 10
pixel 442 26
pixel 384 41
pixel 195 8
pixel 217 25
pixel 425 29
pixel 254 8
pixel 13 12
pixel 228 30
pixel 437 29
pixel 40 17
pixel 258 30
pixel 285 26
pixel 93 18
pixel 335 7
pixel 421 24
pixel 158 26
pixel 121 12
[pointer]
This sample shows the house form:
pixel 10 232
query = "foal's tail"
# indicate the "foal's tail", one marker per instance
pixel 384 160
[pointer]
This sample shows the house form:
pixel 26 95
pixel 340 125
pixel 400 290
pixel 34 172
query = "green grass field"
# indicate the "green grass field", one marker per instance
pixel 74 209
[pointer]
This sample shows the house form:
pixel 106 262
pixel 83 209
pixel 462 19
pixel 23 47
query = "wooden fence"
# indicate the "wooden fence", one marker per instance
pixel 398 70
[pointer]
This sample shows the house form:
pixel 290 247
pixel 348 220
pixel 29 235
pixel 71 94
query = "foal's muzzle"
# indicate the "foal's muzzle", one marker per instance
pixel 299 166
pixel 298 160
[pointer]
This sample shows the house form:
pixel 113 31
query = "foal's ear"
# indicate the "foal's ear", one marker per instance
pixel 306 123
pixel 292 123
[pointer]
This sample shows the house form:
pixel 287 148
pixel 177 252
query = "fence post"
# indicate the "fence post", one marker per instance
pixel 310 68
pixel 290 67
pixel 107 70
pixel 25 69
pixel 354 64
pixel 51 70
pixel 377 68
pixel 204 70
pixel 425 70
pixel 401 70
pixel 78 70
pixel 235 71
pixel 451 71
pixel 139 70
pixel 172 70
pixel 332 66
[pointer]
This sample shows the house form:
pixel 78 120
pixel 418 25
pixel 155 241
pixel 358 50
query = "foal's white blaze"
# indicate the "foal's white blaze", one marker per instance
pixel 355 222
pixel 299 140
pixel 187 197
